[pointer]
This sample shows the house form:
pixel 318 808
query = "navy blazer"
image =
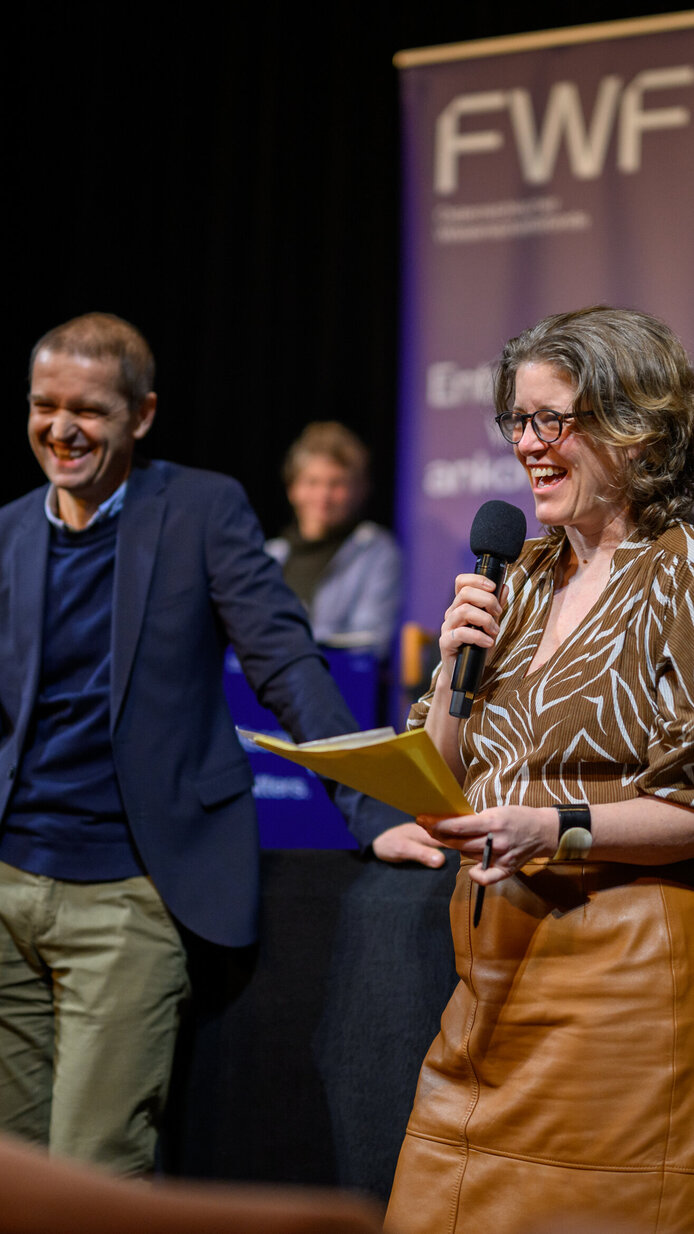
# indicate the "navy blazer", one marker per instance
pixel 191 576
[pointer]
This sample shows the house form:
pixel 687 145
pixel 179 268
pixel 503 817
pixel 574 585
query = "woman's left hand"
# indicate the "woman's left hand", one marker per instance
pixel 519 833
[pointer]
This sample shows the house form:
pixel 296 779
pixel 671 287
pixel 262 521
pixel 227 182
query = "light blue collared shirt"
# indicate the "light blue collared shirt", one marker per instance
pixel 108 508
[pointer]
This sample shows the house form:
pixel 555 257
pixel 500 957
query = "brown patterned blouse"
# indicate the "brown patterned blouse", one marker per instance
pixel 610 715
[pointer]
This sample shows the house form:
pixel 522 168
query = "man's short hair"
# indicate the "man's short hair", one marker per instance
pixel 98 336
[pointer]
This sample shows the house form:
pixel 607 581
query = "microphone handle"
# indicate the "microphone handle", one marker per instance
pixel 469 662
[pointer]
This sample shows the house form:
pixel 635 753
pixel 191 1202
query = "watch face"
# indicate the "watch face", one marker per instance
pixel 574 843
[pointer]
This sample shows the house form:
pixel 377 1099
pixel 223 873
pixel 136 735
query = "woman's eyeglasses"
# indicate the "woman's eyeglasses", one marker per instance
pixel 547 425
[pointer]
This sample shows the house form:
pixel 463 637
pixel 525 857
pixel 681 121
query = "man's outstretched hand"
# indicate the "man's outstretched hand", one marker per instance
pixel 408 842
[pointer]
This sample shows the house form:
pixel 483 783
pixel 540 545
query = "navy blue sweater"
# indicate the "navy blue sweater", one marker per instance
pixel 66 817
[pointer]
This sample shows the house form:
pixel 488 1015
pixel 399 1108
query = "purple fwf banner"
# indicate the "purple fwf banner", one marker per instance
pixel 541 173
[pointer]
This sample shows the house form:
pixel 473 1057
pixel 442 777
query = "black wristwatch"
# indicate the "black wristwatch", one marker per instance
pixel 575 835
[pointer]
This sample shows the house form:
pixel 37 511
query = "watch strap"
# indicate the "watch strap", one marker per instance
pixel 575 836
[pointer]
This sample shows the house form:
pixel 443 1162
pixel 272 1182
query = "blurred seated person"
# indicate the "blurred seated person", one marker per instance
pixel 344 569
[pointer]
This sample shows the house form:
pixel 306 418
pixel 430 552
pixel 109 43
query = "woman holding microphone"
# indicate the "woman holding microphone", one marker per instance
pixel 563 1076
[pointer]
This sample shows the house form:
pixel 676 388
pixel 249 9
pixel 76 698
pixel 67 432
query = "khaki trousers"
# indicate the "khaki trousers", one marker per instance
pixel 92 982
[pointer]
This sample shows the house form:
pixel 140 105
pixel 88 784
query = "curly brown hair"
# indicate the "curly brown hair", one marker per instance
pixel 632 372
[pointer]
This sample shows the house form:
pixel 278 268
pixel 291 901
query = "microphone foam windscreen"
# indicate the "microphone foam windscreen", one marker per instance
pixel 498 528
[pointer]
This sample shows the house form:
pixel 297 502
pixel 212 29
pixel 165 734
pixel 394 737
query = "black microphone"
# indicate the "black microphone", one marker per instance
pixel 496 537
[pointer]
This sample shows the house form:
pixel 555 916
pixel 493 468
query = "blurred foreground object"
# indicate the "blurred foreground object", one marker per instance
pixel 39 1194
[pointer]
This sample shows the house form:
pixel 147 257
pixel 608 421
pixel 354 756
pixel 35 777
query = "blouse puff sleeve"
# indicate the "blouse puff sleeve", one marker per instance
pixel 669 772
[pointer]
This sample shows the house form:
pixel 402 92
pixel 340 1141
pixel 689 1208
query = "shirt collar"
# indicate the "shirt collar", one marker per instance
pixel 108 508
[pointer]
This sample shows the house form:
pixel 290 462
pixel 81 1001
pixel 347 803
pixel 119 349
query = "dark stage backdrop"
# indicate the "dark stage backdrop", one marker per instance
pixel 227 178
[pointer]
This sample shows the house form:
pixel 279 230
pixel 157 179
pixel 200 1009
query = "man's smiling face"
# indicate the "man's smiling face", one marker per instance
pixel 82 430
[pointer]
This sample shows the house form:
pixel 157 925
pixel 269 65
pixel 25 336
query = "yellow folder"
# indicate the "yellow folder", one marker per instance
pixel 403 769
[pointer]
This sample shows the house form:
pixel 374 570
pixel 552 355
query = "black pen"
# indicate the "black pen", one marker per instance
pixel 479 899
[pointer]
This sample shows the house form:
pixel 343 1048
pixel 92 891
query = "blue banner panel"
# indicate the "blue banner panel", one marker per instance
pixel 294 810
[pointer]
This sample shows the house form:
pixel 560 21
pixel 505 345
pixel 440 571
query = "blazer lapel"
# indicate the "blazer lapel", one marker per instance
pixel 138 537
pixel 27 568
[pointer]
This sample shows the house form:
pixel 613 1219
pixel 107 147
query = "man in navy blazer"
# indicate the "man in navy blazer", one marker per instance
pixel 124 792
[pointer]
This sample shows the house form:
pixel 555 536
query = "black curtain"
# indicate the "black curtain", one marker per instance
pixel 227 178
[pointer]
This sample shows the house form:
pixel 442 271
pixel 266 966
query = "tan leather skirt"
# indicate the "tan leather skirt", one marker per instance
pixel 561 1084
